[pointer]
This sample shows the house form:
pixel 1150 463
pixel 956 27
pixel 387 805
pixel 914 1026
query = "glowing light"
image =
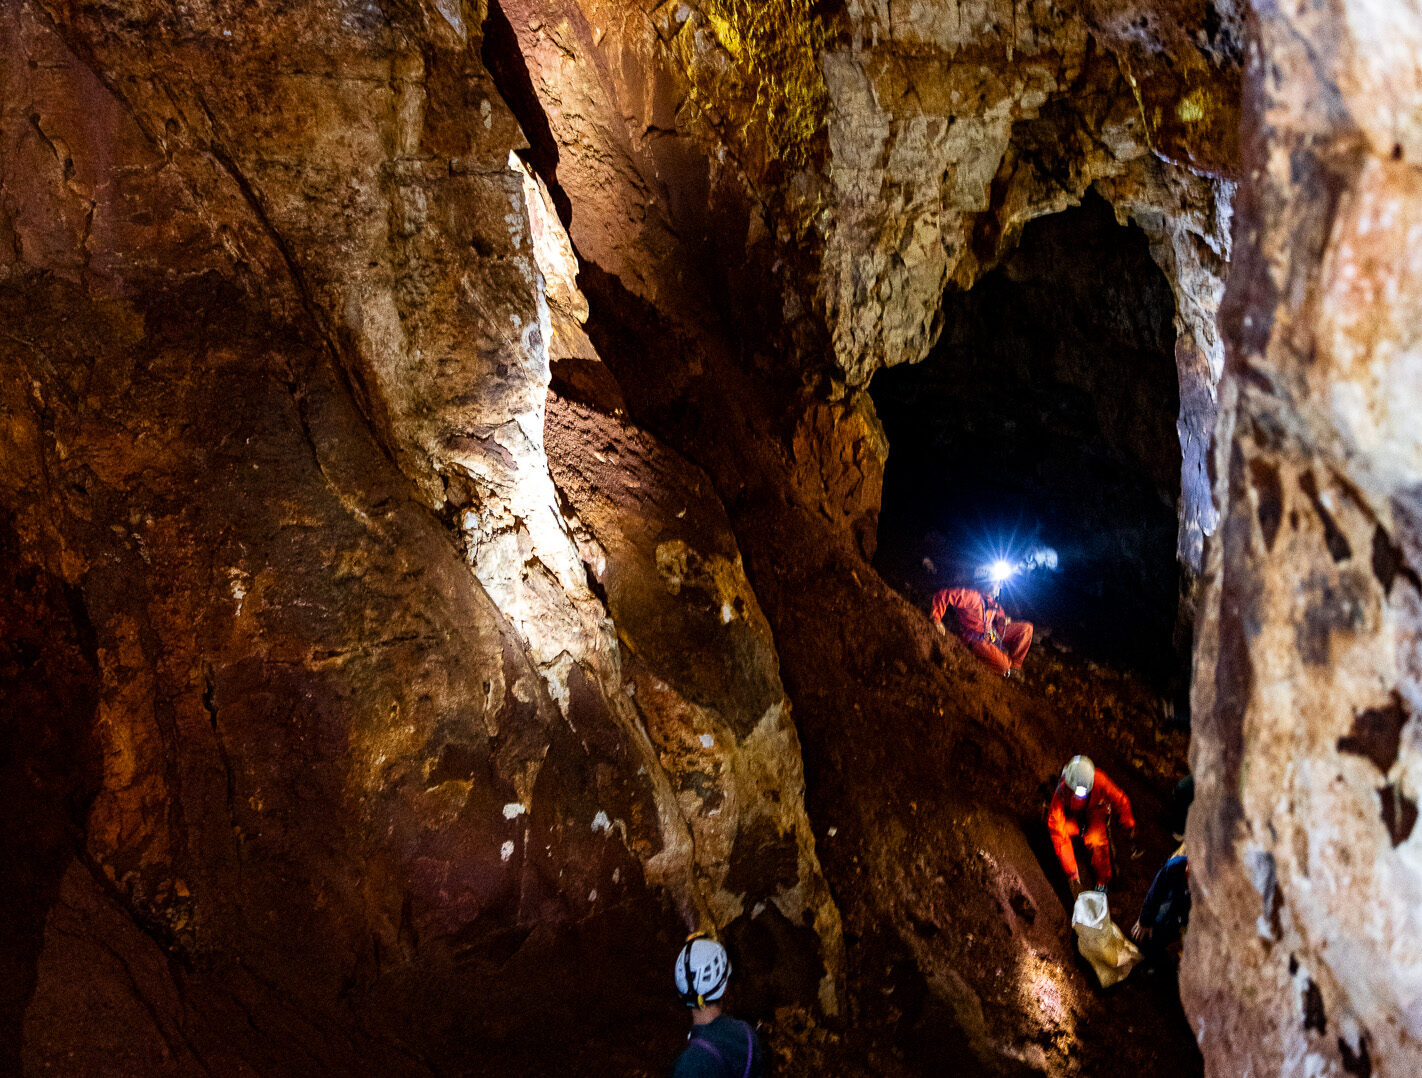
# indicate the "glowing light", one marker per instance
pixel 1009 557
pixel 1000 570
pixel 1081 791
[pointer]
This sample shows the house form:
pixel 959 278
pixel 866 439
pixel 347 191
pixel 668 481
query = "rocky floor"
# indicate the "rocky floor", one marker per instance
pixel 927 781
pixel 907 938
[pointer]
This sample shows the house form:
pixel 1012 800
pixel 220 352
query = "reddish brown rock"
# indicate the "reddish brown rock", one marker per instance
pixel 1183 60
pixel 356 785
pixel 839 452
pixel 701 669
pixel 347 738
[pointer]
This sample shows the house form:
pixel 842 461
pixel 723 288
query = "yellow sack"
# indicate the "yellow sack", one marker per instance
pixel 1101 943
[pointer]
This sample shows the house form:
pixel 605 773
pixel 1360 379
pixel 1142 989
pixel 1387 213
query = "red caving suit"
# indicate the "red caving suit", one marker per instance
pixel 995 638
pixel 1089 821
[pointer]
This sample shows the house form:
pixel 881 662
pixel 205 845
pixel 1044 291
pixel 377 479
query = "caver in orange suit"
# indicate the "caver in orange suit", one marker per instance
pixel 994 637
pixel 1070 816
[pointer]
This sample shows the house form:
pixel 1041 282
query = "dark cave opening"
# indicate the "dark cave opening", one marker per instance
pixel 1045 417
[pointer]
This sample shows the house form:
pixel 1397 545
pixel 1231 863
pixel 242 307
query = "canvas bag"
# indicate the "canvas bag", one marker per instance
pixel 1101 943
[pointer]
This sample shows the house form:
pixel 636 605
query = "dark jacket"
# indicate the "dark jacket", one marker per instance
pixel 723 1048
pixel 1166 911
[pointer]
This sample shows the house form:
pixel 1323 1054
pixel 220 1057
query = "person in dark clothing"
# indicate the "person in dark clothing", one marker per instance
pixel 1180 800
pixel 718 1045
pixel 1166 910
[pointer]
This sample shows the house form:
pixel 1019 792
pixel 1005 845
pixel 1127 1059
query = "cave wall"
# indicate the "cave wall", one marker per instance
pixel 944 129
pixel 701 261
pixel 359 779
pixel 384 726
pixel 1303 955
pixel 361 667
pixel 950 127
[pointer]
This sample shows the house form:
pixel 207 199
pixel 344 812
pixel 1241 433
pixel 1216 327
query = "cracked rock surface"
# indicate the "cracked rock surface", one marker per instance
pixel 438 485
pixel 1306 955
pixel 347 773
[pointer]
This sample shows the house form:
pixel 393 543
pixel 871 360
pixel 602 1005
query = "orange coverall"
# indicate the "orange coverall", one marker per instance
pixel 994 638
pixel 1066 817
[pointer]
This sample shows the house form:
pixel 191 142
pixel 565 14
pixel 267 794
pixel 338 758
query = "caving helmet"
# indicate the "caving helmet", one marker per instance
pixel 702 969
pixel 993 575
pixel 1079 776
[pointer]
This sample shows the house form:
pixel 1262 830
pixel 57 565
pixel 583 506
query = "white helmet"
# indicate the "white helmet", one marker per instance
pixel 702 970
pixel 1079 775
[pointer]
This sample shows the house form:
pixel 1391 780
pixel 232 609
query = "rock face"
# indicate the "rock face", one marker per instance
pixel 1305 955
pixel 703 269
pixel 360 698
pixel 701 668
pixel 951 127
pixel 340 768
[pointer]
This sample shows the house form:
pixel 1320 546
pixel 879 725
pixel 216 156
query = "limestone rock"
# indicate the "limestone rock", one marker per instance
pixel 1303 955
pixel 1187 219
pixel 953 127
pixel 701 669
pixel 945 129
pixel 357 783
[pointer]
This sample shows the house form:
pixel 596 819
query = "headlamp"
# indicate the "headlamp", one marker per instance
pixel 1000 570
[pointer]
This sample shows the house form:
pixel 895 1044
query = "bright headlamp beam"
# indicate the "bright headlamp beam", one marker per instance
pixel 1000 570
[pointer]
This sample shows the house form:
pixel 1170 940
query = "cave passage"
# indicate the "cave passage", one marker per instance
pixel 1045 417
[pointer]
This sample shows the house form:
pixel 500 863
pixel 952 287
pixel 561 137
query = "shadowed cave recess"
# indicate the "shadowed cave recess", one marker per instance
pixel 1043 422
pixel 473 476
